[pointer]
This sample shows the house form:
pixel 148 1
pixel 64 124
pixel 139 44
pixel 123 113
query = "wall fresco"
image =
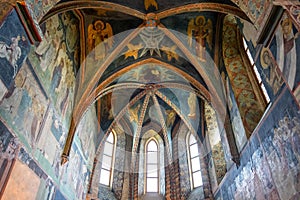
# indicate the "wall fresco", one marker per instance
pixel 74 185
pixel 40 7
pixel 24 108
pixel 22 181
pixel 14 47
pixel 5 9
pixel 119 165
pixel 218 165
pixel 271 160
pixel 51 143
pixel 258 12
pixel 46 187
pixel 285 47
pixel 249 104
pixel 270 73
pixel 55 61
pixel 8 150
pixel 87 131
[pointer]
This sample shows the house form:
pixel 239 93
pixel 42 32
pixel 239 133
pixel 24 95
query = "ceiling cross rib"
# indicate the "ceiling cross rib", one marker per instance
pixel 164 128
pixel 138 131
pixel 107 61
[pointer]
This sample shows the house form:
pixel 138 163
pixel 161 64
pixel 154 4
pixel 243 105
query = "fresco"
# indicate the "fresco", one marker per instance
pixel 119 165
pixel 284 156
pixel 106 111
pixel 59 196
pixel 257 11
pixel 285 47
pixel 40 7
pixel 8 150
pixel 87 131
pixel 51 143
pixel 201 30
pixel 25 107
pixel 55 61
pixel 217 150
pixel 151 73
pixel 271 159
pixel 250 108
pixel 73 184
pixel 270 72
pixel 46 190
pixel 98 39
pixel 5 9
pixel 3 90
pixel 20 183
pixel 14 47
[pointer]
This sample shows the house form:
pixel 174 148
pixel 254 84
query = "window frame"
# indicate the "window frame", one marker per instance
pixel 111 165
pixel 255 71
pixel 157 165
pixel 191 171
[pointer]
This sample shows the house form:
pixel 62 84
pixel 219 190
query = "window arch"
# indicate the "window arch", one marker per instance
pixel 108 160
pixel 152 163
pixel 194 162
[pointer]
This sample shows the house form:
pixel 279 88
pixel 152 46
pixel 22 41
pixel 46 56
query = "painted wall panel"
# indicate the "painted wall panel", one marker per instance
pixel 23 183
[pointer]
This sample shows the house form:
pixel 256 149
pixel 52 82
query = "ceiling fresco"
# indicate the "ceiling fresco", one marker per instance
pixel 136 70
pixel 162 53
pixel 140 68
pixel 150 73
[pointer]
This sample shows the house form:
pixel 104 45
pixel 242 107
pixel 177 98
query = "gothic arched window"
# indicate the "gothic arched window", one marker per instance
pixel 194 162
pixel 152 163
pixel 108 160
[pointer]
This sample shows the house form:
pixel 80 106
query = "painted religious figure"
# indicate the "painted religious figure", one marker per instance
pixel 267 62
pixel 11 52
pixel 99 39
pixel 200 29
pixel 286 53
pixel 192 102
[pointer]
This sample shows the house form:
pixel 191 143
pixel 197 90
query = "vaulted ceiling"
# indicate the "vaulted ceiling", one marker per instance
pixel 148 62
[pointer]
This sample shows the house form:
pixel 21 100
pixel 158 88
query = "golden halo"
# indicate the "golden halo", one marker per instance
pixel 200 20
pixel 265 52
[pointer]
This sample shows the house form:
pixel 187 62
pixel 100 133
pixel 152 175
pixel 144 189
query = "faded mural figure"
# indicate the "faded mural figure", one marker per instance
pixel 192 102
pixel 24 106
pixel 11 52
pixel 49 46
pixel 134 113
pixel 201 29
pixel 69 84
pixel 267 62
pixel 289 66
pixel 171 115
pixel 99 39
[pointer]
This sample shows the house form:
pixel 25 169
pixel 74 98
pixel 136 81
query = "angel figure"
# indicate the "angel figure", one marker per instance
pixel 134 113
pixel 99 39
pixel 171 115
pixel 201 30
